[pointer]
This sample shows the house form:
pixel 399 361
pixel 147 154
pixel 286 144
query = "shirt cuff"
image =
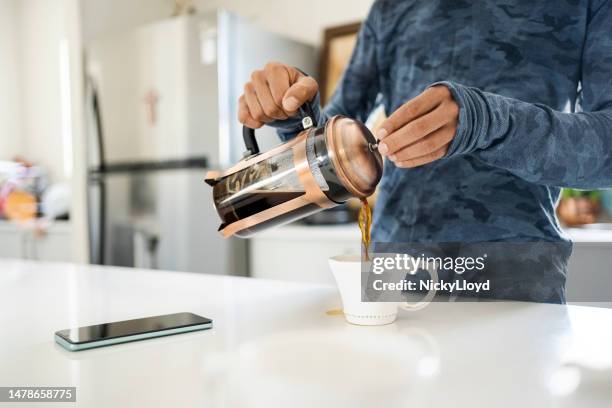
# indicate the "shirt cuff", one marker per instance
pixel 473 118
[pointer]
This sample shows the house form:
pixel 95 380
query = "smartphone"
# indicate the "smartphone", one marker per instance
pixel 107 334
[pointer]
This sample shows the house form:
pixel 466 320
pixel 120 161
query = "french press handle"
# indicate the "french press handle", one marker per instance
pixel 306 112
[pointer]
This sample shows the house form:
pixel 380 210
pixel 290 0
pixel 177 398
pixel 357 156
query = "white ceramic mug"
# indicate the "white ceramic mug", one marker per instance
pixel 347 273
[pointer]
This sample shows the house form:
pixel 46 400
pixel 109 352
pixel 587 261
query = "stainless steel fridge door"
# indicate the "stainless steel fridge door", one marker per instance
pixel 165 220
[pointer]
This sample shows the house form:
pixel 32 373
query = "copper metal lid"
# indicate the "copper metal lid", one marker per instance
pixel 359 166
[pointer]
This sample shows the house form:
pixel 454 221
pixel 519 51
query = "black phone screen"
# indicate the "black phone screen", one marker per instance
pixel 132 327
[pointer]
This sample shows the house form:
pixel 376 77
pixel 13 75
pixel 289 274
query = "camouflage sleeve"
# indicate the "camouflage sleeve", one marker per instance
pixel 540 144
pixel 358 88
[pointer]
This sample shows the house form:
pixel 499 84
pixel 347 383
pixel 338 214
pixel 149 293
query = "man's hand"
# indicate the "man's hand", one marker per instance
pixel 274 93
pixel 421 130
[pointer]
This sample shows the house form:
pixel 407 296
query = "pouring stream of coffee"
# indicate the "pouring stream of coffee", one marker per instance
pixel 365 218
pixel 365 225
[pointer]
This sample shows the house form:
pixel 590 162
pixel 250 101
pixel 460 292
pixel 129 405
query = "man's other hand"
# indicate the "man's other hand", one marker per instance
pixel 421 130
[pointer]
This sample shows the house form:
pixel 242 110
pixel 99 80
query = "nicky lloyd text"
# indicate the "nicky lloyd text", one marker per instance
pixel 427 285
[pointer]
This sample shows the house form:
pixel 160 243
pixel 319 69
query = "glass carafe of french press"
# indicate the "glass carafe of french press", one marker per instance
pixel 320 168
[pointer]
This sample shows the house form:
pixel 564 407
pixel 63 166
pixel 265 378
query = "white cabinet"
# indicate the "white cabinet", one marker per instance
pixel 590 266
pixel 300 253
pixel 50 244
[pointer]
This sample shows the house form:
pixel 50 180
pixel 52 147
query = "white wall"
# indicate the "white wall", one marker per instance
pixel 102 17
pixel 30 95
pixel 78 210
pixel 297 19
pixel 10 100
pixel 41 25
pixel 41 109
pixel 302 20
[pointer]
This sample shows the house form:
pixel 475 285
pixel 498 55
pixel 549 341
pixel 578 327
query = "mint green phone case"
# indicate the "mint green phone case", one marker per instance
pixel 126 339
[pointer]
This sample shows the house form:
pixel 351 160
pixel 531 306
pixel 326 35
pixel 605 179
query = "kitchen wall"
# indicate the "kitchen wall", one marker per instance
pixel 42 33
pixel 10 100
pixel 31 36
pixel 301 20
pixel 40 98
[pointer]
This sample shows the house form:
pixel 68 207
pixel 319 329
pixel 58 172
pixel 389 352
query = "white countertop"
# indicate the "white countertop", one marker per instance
pixel 479 354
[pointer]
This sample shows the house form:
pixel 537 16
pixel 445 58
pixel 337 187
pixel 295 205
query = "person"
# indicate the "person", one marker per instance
pixel 493 108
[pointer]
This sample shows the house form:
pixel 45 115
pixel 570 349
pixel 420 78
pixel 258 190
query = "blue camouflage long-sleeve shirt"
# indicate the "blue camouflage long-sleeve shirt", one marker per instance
pixel 534 84
pixel 533 80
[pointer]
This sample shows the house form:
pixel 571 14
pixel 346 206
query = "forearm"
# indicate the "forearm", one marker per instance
pixel 533 141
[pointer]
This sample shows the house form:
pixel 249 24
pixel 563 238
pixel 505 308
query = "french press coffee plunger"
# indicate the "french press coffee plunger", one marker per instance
pixel 320 168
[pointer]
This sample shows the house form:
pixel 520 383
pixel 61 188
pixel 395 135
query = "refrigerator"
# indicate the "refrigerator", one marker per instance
pixel 162 107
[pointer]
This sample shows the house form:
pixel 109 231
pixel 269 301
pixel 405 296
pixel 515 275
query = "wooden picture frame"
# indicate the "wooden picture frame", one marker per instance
pixel 338 45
